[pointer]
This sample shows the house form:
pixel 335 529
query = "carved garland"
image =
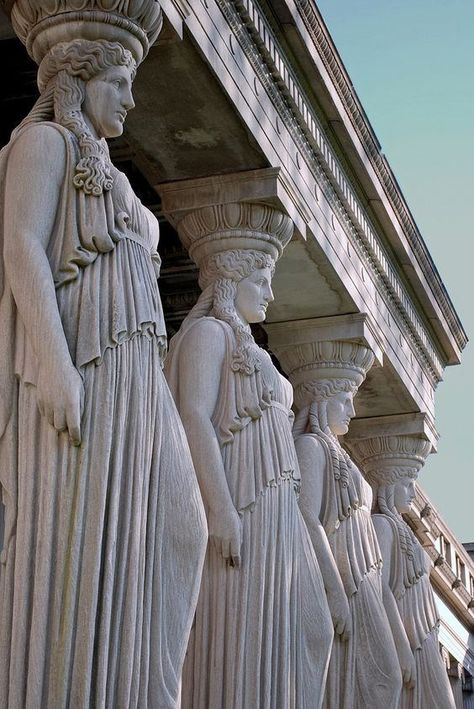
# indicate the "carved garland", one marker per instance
pixel 268 62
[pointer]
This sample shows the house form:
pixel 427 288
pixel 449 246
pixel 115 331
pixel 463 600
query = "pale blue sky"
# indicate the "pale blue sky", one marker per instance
pixel 412 65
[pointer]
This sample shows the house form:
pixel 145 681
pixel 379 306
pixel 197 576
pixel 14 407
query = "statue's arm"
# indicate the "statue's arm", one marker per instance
pixel 200 363
pixel 312 461
pixel 386 539
pixel 32 191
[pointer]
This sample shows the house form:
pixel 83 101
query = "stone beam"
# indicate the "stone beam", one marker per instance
pixel 416 425
pixel 267 186
pixel 358 328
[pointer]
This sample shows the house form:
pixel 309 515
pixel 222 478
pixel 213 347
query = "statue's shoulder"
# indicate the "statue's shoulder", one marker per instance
pixel 384 526
pixel 45 143
pixel 209 330
pixel 203 336
pixel 311 447
pixel 45 131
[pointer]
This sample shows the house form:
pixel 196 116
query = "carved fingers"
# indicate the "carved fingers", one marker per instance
pixel 74 407
pixel 343 627
pixel 407 663
pixel 60 399
pixel 409 672
pixel 234 559
pixel 225 531
pixel 340 613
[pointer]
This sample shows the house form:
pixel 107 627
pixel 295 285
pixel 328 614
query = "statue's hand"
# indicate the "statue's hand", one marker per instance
pixel 162 348
pixel 225 534
pixel 340 612
pixel 407 664
pixel 60 394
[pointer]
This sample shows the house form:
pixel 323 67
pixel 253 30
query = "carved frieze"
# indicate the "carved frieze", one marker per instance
pixel 274 71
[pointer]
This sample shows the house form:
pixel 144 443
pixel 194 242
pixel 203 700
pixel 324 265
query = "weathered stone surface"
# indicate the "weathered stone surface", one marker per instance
pixel 391 464
pixel 104 525
pixel 263 631
pixel 336 501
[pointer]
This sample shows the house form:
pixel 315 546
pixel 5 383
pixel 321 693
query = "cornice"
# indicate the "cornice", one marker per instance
pixel 257 40
pixel 428 526
pixel 348 96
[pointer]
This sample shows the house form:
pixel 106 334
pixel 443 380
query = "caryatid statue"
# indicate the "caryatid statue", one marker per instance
pixel 364 671
pixel 391 465
pixel 105 531
pixel 263 632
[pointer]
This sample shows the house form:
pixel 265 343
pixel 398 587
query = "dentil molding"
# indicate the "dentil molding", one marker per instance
pixel 273 70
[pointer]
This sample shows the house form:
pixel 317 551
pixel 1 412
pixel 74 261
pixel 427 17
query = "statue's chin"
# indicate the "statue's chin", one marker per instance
pixel 340 430
pixel 258 317
pixel 114 130
pixel 115 133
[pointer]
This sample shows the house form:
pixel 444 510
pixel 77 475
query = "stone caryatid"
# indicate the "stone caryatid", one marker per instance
pixel 364 671
pixel 104 526
pixel 391 464
pixel 262 633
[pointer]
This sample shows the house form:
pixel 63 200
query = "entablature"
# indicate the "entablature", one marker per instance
pixel 452 573
pixel 240 44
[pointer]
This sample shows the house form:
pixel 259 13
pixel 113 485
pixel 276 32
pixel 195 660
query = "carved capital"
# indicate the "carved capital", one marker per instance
pixel 311 365
pixel 247 210
pixel 42 24
pixel 236 225
pixel 314 351
pixel 390 458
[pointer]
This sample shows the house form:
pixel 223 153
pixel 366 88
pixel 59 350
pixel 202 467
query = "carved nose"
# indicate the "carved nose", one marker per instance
pixel 128 102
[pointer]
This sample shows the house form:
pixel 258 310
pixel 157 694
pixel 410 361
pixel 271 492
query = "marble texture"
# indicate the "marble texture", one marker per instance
pixel 391 464
pixel 105 531
pixel 364 670
pixel 263 631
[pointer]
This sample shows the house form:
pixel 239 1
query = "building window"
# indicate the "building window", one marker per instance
pixel 460 570
pixel 446 550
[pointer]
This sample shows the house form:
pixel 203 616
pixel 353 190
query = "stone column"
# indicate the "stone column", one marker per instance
pixel 263 632
pixel 327 360
pixel 391 451
pixel 105 532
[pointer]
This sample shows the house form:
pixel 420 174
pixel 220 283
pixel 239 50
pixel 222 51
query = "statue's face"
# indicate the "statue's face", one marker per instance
pixel 107 100
pixel 254 293
pixel 340 410
pixel 403 494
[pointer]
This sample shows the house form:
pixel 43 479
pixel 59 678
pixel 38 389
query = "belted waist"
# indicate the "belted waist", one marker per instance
pixel 138 239
pixel 277 405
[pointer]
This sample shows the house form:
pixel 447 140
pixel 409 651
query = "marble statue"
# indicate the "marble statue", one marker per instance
pixel 105 531
pixel 391 465
pixel 263 631
pixel 364 671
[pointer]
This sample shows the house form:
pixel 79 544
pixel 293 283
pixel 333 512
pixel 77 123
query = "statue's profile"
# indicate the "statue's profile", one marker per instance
pixel 263 630
pixel 392 468
pixel 104 526
pixel 365 671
